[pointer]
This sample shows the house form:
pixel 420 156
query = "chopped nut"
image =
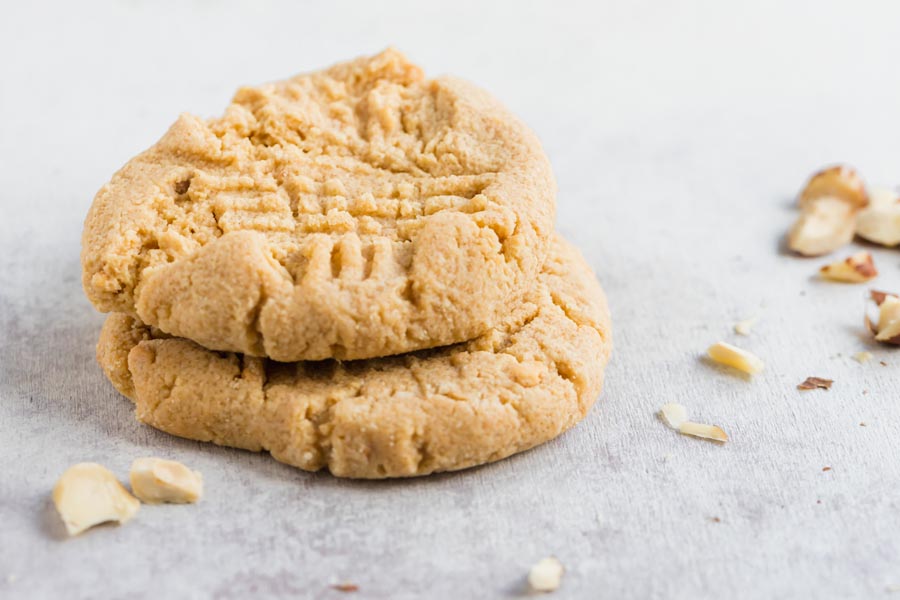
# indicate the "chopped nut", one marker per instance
pixel 546 574
pixel 879 222
pixel 863 357
pixel 812 383
pixel 828 206
pixel 879 297
pixel 888 328
pixel 155 480
pixel 181 187
pixel 88 494
pixel 733 356
pixel 673 414
pixel 744 327
pixel 708 432
pixel 857 268
pixel 826 469
pixel 345 587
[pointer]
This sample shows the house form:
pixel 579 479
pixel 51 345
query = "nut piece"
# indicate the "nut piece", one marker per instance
pixel 155 480
pixel 888 328
pixel 857 268
pixel 733 356
pixel 673 414
pixel 88 494
pixel 708 432
pixel 863 357
pixel 546 574
pixel 812 383
pixel 828 207
pixel 879 222
pixel 744 327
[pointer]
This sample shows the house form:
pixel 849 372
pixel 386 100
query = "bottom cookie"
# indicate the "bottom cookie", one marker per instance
pixel 523 383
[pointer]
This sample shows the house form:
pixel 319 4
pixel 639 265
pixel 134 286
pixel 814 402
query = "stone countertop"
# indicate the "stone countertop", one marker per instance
pixel 679 132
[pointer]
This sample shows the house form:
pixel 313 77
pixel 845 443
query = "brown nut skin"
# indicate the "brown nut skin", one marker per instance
pixel 838 181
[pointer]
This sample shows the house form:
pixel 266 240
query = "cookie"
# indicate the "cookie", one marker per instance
pixel 524 382
pixel 355 212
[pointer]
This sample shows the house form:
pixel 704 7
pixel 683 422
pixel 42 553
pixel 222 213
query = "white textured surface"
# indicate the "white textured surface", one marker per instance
pixel 679 133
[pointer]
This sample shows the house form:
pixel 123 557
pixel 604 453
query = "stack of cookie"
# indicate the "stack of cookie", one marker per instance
pixel 353 269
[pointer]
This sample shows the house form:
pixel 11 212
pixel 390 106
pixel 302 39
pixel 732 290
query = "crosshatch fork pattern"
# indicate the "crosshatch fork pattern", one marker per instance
pixel 354 212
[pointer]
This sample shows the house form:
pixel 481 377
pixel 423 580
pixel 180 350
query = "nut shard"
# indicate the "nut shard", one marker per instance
pixel 88 494
pixel 888 327
pixel 156 480
pixel 828 204
pixel 812 383
pixel 700 430
pixel 673 414
pixel 732 356
pixel 879 222
pixel 546 575
pixel 857 268
pixel 746 326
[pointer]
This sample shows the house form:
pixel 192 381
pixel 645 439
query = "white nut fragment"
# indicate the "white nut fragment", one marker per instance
pixel 857 268
pixel 863 357
pixel 709 432
pixel 546 575
pixel 736 358
pixel 879 222
pixel 673 414
pixel 744 327
pixel 88 494
pixel 828 207
pixel 156 480
pixel 888 328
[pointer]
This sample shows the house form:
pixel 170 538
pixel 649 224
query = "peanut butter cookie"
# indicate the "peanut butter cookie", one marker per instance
pixel 355 212
pixel 522 383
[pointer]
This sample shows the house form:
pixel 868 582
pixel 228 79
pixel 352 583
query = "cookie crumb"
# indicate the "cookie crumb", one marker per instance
pixel 812 383
pixel 546 575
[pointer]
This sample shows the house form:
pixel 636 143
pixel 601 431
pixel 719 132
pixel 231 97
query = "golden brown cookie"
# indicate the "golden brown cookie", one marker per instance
pixel 524 382
pixel 355 212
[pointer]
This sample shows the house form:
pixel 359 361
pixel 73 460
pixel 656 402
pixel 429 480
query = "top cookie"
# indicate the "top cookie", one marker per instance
pixel 354 212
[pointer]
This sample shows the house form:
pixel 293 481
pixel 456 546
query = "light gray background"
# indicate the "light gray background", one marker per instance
pixel 679 133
